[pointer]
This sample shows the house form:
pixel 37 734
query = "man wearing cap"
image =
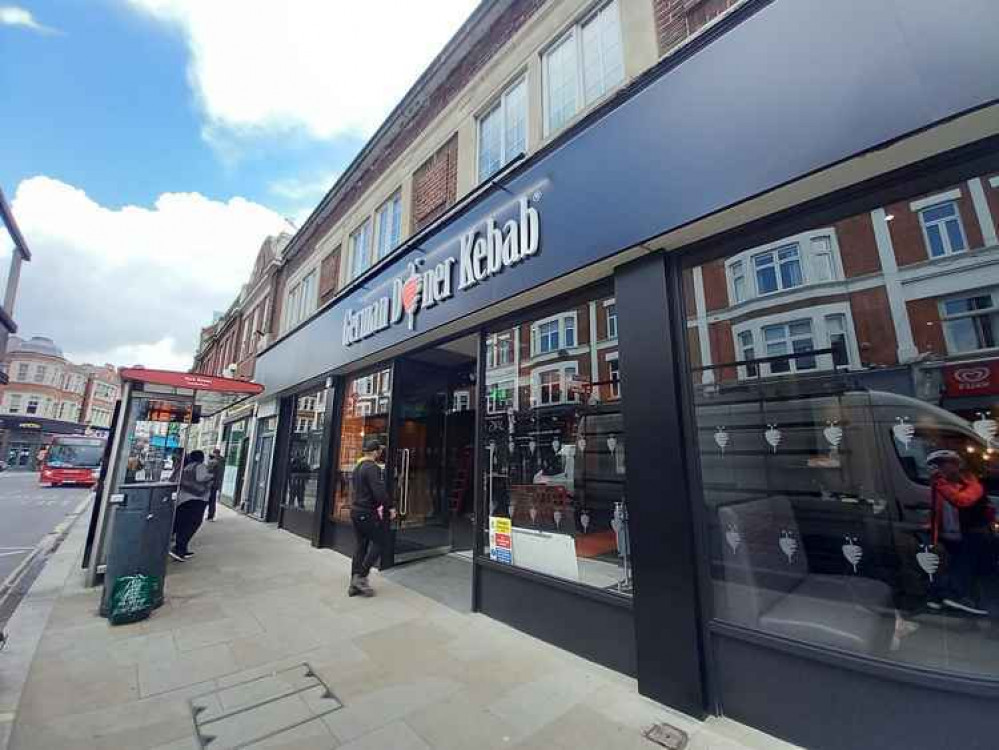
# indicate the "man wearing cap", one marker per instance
pixel 962 516
pixel 370 503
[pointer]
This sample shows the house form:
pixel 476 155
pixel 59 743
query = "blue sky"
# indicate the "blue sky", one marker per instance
pixel 160 141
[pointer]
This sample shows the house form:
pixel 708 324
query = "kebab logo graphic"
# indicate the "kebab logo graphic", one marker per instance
pixel 483 253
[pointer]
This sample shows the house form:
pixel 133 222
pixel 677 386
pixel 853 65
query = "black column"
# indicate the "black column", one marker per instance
pixel 667 627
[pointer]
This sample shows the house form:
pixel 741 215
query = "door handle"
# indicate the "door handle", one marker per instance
pixel 404 495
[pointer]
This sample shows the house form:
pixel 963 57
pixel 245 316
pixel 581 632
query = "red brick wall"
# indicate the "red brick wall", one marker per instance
pixel 689 306
pixel 694 348
pixel 678 19
pixel 907 232
pixel 924 315
pixel 435 184
pixel 715 286
pixel 873 325
pixel 857 245
pixel 501 30
pixel 329 275
pixel 722 349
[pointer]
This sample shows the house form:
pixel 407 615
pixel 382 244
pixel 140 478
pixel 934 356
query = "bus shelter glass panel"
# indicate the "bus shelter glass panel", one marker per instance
pixel 153 440
pixel 553 449
pixel 846 432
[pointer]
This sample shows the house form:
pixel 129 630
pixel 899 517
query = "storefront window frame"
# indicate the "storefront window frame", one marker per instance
pixel 927 177
pixel 542 311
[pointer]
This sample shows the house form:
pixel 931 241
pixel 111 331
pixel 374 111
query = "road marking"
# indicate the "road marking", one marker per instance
pixel 10 554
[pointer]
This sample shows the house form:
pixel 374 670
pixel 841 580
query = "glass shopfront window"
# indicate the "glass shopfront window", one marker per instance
pixel 553 447
pixel 366 410
pixel 847 440
pixel 305 453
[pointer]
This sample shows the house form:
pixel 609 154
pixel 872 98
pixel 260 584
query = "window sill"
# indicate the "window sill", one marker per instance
pixel 575 588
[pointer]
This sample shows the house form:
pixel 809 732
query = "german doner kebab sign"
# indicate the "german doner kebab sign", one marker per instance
pixel 484 253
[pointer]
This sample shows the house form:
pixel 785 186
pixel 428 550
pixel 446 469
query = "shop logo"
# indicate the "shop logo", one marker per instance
pixel 972 375
pixel 482 254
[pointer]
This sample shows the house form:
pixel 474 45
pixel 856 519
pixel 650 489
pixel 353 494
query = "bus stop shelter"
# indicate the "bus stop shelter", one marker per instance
pixel 148 441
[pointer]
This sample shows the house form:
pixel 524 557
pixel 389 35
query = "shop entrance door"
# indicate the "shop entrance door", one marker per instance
pixel 432 448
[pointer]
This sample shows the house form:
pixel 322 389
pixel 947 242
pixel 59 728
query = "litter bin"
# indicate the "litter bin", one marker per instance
pixel 140 531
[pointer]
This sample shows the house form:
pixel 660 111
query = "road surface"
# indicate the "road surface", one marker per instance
pixel 28 512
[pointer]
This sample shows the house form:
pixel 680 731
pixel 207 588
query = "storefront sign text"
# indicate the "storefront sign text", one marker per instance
pixel 483 253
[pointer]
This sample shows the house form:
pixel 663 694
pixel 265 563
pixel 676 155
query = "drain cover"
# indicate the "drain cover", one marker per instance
pixel 254 710
pixel 667 736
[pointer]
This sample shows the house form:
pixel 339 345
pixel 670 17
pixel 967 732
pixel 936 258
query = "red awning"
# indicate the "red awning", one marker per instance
pixel 190 380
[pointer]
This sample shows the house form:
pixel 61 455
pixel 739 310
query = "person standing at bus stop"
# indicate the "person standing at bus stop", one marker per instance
pixel 192 498
pixel 371 503
pixel 217 468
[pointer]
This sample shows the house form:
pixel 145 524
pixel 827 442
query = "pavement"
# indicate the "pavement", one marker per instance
pixel 29 512
pixel 259 646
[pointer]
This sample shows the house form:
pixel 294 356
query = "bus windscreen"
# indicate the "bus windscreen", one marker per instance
pixel 76 454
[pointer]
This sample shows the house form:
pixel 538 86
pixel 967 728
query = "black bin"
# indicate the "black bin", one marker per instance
pixel 140 530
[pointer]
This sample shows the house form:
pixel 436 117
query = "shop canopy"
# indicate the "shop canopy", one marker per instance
pixel 211 393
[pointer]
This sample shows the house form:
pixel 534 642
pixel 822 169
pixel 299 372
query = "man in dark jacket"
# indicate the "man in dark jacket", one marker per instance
pixel 216 465
pixel 371 503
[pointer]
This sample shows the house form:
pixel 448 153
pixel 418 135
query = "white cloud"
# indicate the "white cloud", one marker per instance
pixel 11 15
pixel 334 67
pixel 132 285
pixel 298 189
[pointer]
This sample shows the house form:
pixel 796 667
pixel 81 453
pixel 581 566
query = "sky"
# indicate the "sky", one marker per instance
pixel 149 146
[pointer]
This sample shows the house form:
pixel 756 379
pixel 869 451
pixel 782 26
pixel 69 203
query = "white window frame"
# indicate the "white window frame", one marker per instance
pixel 819 316
pixel 493 348
pixel 301 300
pixel 32 402
pixel 41 374
pixel 808 251
pixel 946 317
pixel 560 319
pixel 563 369
pixel 574 35
pixel 951 198
pixel 461 401
pixel 614 374
pixel 500 102
pixel 610 305
pixel 23 372
pixel 14 403
pixel 491 407
pixel 363 229
pixel 393 202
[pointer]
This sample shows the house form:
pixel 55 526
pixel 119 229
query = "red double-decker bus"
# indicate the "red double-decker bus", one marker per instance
pixel 72 460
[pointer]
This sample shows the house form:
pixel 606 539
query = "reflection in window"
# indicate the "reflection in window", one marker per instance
pixel 850 487
pixel 971 323
pixel 305 452
pixel 554 451
pixel 942 229
pixel 365 412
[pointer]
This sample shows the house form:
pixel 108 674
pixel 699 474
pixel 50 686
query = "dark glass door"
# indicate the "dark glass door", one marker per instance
pixel 431 454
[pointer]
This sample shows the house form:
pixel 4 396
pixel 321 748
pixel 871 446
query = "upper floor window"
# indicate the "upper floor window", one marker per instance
pixel 503 130
pixel 554 333
pixel 301 300
pixel 785 343
pixel 14 403
pixel 360 246
pixel 811 258
pixel 32 407
pixel 582 66
pixel 942 229
pixel 499 350
pixel 389 221
pixel 22 370
pixel 971 323
pixel 41 372
pixel 610 309
pixel 500 396
pixel 614 370
pixel 551 385
pixel 778 269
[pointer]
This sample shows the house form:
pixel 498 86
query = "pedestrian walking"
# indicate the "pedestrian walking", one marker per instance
pixel 192 499
pixel 371 503
pixel 217 468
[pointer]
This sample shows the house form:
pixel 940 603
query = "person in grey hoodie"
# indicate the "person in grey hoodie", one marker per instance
pixel 192 499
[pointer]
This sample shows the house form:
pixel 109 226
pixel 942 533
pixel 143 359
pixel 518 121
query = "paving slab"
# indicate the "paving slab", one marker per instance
pixel 255 605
